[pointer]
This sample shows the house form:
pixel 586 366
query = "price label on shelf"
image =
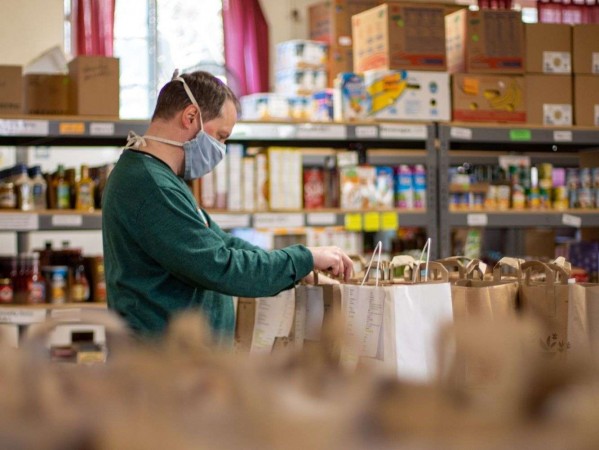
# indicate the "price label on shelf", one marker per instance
pixel 24 127
pixel 460 133
pixel 562 136
pixel 278 220
pixel 393 131
pixel 22 316
pixel 321 219
pixel 477 220
pixel 71 128
pixel 229 221
pixel 389 221
pixel 19 222
pixel 353 222
pixel 101 129
pixel 572 221
pixel 67 220
pixel 367 131
pixel 372 221
pixel 320 131
pixel 520 135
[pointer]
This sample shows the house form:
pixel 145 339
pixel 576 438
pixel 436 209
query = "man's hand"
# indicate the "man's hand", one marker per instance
pixel 332 259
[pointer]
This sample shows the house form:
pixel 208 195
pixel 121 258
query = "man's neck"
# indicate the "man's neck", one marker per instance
pixel 172 155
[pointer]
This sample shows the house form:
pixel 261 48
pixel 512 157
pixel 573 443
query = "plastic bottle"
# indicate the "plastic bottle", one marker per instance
pixel 39 188
pixel 34 283
pixel 84 191
pixel 8 195
pixel 61 189
pixel 80 285
pixel 23 188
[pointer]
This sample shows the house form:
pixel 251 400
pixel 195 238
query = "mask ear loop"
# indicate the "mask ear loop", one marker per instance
pixel 176 77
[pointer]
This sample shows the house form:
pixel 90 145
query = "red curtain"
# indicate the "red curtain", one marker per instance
pixel 93 27
pixel 246 46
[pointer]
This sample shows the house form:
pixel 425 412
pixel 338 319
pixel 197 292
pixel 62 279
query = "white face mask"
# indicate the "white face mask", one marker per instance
pixel 202 153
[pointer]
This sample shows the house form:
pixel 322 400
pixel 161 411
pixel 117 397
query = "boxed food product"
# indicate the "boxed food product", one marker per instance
pixel 455 40
pixel 314 188
pixel 349 97
pixel 94 86
pixel 300 107
pixel 404 189
pixel 407 95
pixel 419 185
pixel 385 187
pixel 585 45
pixel 400 36
pixel 300 82
pixel 586 99
pixel 301 54
pixel 11 89
pixel 548 48
pixel 549 99
pixel 349 185
pixel 46 94
pixel 322 106
pixel 488 98
pixel 285 178
pixel 264 106
pixel 249 184
pixel 330 21
pixel 495 42
pixel 367 181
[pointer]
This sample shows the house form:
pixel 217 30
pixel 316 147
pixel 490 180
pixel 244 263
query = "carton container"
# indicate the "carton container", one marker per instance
pixel 488 98
pixel 330 21
pixel 264 106
pixel 549 99
pixel 46 94
pixel 300 54
pixel 349 97
pixel 300 82
pixel 94 86
pixel 400 36
pixel 495 42
pixel 586 100
pixel 11 89
pixel 548 48
pixel 341 60
pixel 407 95
pixel 585 43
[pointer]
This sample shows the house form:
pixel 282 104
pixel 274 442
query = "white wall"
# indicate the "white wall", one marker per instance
pixel 29 27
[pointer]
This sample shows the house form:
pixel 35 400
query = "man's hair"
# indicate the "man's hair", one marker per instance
pixel 210 93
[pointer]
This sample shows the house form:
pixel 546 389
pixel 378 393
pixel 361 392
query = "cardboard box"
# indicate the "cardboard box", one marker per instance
pixel 488 98
pixel 455 40
pixel 349 97
pixel 341 60
pixel 586 100
pixel 94 86
pixel 407 95
pixel 585 44
pixel 330 21
pixel 549 99
pixel 495 42
pixel 408 36
pixel 11 89
pixel 548 48
pixel 46 94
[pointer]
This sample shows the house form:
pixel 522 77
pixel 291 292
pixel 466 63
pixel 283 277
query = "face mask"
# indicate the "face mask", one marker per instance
pixel 202 153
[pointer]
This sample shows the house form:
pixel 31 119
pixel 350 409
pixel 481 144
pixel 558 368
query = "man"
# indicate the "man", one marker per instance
pixel 162 254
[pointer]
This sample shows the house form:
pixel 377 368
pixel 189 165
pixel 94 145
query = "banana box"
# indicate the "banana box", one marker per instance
pixel 407 95
pixel 488 98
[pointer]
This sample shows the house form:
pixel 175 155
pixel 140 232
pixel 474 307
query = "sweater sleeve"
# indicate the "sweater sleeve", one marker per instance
pixel 174 235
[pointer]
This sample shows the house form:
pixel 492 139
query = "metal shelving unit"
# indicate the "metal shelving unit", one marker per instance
pixel 408 143
pixel 481 143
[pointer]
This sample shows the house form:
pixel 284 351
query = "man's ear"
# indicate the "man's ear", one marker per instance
pixel 189 116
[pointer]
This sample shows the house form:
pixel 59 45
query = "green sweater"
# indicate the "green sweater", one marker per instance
pixel 163 256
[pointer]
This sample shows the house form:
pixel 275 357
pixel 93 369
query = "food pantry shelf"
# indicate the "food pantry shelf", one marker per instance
pixel 576 218
pixel 28 314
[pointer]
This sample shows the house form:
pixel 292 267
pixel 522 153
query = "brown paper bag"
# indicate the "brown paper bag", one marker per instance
pixel 543 294
pixel 583 319
pixel 488 299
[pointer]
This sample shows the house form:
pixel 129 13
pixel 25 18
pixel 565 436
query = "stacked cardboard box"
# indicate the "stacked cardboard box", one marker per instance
pixel 11 90
pixel 548 74
pixel 586 74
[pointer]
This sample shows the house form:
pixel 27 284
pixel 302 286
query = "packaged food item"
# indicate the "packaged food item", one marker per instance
pixel 385 187
pixel 84 191
pixel 419 186
pixel 351 194
pixel 301 54
pixel 404 190
pixel 300 82
pixel 349 97
pixel 322 106
pixel 264 106
pixel 367 180
pixel 56 279
pixel 314 192
pixel 6 290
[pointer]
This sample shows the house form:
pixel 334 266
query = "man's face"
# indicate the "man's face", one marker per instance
pixel 220 127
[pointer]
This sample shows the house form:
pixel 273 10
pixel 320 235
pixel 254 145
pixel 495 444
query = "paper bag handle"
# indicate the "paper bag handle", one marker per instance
pixel 407 262
pixel 552 273
pixel 454 264
pixel 475 267
pixel 513 263
pixel 437 272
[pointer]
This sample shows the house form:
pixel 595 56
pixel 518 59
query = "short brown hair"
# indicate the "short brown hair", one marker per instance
pixel 210 93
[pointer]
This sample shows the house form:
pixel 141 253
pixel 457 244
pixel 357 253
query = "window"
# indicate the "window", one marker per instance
pixel 152 38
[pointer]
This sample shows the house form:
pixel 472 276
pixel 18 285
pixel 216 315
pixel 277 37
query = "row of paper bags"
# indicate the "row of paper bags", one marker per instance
pixel 393 323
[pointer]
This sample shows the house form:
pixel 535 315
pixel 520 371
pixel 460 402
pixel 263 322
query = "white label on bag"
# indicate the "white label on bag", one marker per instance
pixel 388 131
pixel 557 62
pixel 19 221
pixel 24 127
pixel 367 131
pixel 460 133
pixel 101 129
pixel 562 136
pixel 67 220
pixel 477 220
pixel 573 221
pixel 274 318
pixel 557 114
pixel 314 312
pixel 363 310
pixel 595 68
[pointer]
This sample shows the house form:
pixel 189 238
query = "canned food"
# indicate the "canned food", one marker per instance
pixel 56 278
pixel 6 291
